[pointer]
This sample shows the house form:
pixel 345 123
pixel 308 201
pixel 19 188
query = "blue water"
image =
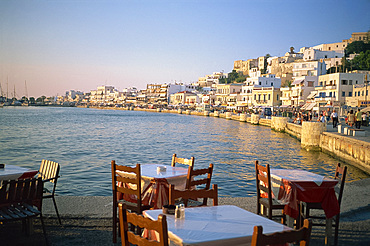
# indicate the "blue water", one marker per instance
pixel 84 141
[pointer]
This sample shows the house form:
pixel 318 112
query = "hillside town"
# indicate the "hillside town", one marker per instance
pixel 311 79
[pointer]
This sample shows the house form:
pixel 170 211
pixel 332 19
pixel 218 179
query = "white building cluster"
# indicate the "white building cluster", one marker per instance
pixel 295 80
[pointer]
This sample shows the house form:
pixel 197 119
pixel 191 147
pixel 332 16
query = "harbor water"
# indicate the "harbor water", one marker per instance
pixel 85 140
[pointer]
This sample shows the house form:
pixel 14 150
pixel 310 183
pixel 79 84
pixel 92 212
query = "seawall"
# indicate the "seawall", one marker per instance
pixel 314 136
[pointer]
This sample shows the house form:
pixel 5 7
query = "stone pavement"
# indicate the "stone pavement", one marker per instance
pixel 366 138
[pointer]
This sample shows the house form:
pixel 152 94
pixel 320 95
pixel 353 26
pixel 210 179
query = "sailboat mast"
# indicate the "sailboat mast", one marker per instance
pixel 25 85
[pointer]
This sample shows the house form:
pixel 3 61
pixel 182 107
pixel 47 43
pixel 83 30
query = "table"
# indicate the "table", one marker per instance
pixel 290 186
pixel 155 183
pixel 10 172
pixel 215 225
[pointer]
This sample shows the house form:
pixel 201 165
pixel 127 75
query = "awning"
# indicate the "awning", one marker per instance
pixel 284 106
pixel 309 107
pixel 296 82
pixel 312 94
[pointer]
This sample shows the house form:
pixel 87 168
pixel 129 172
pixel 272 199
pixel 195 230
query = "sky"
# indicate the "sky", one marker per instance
pixel 48 47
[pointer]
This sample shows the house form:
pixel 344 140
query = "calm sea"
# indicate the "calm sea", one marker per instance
pixel 84 141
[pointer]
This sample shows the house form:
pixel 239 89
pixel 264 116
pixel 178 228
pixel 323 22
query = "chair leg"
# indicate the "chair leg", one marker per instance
pixel 43 230
pixel 56 210
pixel 114 232
pixel 336 234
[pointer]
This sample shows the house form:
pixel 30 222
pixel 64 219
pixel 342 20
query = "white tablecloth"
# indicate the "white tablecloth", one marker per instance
pixel 10 172
pixel 154 183
pixel 216 225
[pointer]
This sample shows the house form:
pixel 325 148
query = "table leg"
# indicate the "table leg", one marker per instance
pixel 328 232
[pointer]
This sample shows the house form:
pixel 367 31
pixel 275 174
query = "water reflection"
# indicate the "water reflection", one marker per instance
pixel 84 141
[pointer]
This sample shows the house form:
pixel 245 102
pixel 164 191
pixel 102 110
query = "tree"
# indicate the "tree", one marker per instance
pixel 32 100
pixel 41 99
pixel 361 62
pixel 357 47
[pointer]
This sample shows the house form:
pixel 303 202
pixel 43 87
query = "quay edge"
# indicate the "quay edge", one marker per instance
pixel 315 135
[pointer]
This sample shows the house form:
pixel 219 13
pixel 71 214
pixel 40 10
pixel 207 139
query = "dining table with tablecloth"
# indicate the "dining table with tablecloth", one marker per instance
pixel 292 186
pixel 155 181
pixel 12 172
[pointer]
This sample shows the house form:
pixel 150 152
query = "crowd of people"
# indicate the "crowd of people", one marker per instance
pixel 352 119
pixel 357 119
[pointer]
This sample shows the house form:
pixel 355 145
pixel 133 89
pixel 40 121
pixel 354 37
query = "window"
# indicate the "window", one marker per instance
pixel 362 93
pixel 259 83
pixel 254 97
pixel 272 84
pixel 310 83
pixel 269 98
pixel 355 93
pixel 330 94
pixel 343 93
pixel 350 82
pixel 350 93
pixel 277 97
pixel 344 82
pixel 320 83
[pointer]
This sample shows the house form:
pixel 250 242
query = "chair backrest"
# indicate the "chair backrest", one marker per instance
pixel 22 190
pixel 49 171
pixel 128 236
pixel 127 181
pixel 263 182
pixel 340 173
pixel 301 235
pixel 193 194
pixel 184 161
pixel 199 177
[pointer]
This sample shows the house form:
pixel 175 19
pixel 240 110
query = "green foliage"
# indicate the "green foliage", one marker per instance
pixel 362 61
pixel 41 99
pixel 232 77
pixel 357 47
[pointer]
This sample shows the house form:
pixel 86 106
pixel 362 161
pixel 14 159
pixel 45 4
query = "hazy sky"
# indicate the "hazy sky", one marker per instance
pixel 60 45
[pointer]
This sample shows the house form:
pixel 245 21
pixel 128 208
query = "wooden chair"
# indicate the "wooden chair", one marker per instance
pixel 199 179
pixel 184 161
pixel 22 200
pixel 192 180
pixel 194 195
pixel 340 173
pixel 49 172
pixel 263 183
pixel 129 186
pixel 301 235
pixel 129 237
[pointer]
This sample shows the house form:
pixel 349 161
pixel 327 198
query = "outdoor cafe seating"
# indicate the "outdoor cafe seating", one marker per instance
pixel 131 221
pixel 266 203
pixel 306 207
pixel 301 235
pixel 49 172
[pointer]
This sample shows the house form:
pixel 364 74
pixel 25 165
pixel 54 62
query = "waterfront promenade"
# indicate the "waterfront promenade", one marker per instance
pixel 87 220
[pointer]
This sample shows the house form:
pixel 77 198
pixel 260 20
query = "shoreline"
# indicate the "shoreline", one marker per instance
pixel 334 145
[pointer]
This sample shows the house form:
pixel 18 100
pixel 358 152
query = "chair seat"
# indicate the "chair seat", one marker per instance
pixel 275 203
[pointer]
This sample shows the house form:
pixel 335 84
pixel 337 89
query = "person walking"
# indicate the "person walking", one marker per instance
pixel 334 118
pixel 351 118
pixel 358 119
pixel 363 119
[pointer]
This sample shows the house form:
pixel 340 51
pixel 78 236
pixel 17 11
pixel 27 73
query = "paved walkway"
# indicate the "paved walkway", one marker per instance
pixel 87 220
pixel 366 138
